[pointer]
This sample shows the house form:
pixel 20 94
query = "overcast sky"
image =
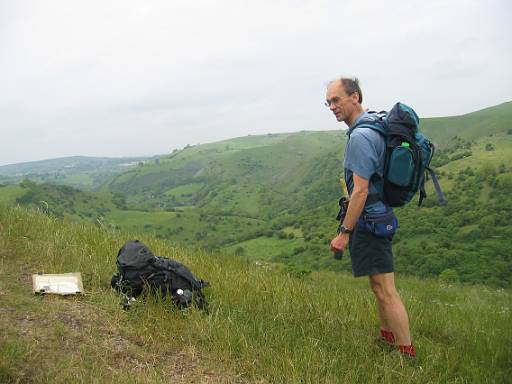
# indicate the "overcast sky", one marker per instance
pixel 126 78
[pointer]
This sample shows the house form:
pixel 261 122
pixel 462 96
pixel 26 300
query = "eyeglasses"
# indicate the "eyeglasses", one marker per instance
pixel 335 100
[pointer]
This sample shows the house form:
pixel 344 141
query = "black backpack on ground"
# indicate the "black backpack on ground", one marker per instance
pixel 139 268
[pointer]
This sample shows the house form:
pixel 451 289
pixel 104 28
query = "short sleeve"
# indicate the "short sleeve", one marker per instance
pixel 361 155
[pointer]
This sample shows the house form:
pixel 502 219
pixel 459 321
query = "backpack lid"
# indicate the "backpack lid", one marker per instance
pixel 402 121
pixel 134 254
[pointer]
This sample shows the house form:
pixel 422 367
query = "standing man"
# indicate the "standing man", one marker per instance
pixel 371 255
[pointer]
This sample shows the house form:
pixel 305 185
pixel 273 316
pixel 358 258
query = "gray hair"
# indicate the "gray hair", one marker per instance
pixel 350 85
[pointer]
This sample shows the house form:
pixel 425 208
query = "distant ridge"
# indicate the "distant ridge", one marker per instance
pixel 78 171
pixel 504 104
pixel 62 161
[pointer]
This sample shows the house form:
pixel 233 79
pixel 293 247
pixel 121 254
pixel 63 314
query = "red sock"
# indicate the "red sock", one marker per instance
pixel 387 336
pixel 407 350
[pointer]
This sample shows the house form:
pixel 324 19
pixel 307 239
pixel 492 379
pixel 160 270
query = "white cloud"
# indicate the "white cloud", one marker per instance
pixel 137 77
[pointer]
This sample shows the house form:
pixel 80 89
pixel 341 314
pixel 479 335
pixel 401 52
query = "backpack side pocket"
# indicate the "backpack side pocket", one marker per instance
pixel 400 170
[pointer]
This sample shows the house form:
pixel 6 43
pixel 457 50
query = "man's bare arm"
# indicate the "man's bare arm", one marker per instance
pixel 357 201
pixel 355 208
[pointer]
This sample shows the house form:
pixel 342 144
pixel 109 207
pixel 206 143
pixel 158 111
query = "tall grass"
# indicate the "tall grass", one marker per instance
pixel 265 325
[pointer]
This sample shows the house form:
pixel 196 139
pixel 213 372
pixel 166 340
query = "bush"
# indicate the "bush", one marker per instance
pixel 504 182
pixel 282 235
pixel 449 275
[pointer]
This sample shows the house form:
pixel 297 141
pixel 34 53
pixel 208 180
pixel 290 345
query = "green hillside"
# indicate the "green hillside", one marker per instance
pixel 290 181
pixel 63 201
pixel 266 176
pixel 238 176
pixel 267 324
pixel 273 197
pixel 487 122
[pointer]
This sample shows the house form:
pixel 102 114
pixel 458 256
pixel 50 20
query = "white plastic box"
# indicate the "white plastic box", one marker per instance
pixel 60 284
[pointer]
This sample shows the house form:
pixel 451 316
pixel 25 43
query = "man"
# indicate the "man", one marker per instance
pixel 370 255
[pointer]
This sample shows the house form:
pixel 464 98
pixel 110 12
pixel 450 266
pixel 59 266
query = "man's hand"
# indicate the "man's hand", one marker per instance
pixel 340 242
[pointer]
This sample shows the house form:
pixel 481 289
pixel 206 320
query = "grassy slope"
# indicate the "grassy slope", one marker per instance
pixel 470 126
pixel 246 179
pixel 232 193
pixel 62 200
pixel 264 325
pixel 281 161
pixel 9 194
pixel 254 175
pixel 232 182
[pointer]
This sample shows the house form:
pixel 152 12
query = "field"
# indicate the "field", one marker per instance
pixel 265 325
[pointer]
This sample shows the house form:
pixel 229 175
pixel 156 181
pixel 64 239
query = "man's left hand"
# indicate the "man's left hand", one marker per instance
pixel 340 242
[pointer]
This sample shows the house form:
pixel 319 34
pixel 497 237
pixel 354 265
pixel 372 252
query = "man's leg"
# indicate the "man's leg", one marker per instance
pixel 385 330
pixel 392 313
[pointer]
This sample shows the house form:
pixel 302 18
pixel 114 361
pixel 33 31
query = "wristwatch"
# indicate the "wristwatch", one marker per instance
pixel 345 230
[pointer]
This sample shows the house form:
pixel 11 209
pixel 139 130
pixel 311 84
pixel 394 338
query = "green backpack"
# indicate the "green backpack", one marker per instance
pixel 408 156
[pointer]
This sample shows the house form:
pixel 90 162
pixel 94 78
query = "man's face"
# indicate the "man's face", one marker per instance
pixel 341 104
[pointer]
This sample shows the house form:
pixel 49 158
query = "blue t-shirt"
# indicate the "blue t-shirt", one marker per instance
pixel 364 155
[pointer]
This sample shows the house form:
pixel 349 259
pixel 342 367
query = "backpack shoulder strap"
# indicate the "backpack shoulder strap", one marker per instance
pixel 373 120
pixel 179 269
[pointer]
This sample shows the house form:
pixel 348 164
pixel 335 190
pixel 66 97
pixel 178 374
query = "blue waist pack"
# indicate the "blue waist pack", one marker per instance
pixel 383 225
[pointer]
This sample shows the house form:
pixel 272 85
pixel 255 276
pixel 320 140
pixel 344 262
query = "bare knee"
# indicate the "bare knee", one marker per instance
pixel 385 293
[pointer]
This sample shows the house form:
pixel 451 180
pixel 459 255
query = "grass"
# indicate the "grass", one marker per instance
pixel 265 248
pixel 184 189
pixel 9 193
pixel 232 193
pixel 501 154
pixel 264 325
pixel 185 227
pixel 135 219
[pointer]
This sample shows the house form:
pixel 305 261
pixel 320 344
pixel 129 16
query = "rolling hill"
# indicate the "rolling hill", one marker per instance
pixel 77 171
pixel 273 197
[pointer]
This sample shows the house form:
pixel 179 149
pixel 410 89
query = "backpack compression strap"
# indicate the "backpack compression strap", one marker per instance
pixel 440 194
pixel 423 194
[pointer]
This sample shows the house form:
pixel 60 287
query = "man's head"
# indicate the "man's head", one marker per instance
pixel 344 98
